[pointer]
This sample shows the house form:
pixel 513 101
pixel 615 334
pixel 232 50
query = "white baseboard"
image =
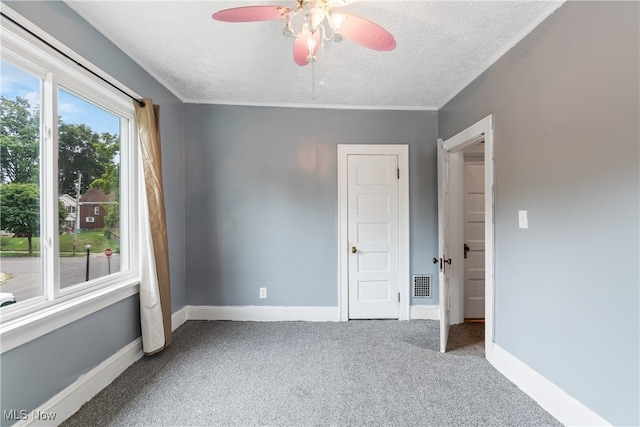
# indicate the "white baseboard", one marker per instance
pixel 178 318
pixel 549 396
pixel 257 313
pixel 424 312
pixel 68 401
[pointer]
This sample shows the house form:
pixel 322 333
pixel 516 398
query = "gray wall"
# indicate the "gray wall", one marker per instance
pixel 567 149
pixel 35 372
pixel 262 199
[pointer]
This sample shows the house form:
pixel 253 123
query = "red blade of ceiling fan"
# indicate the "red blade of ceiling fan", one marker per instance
pixel 366 33
pixel 251 13
pixel 301 48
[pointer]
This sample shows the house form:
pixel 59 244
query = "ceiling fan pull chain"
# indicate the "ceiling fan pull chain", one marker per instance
pixel 313 80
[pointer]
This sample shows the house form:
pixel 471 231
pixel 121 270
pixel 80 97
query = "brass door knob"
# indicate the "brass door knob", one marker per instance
pixel 353 249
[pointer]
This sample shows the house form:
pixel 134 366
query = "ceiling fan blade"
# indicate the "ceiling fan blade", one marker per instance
pixel 301 48
pixel 366 33
pixel 251 13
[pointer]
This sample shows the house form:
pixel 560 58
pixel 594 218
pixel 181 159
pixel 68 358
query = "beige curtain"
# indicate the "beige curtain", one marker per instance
pixel 155 291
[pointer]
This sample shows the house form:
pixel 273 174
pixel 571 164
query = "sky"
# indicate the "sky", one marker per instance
pixel 72 109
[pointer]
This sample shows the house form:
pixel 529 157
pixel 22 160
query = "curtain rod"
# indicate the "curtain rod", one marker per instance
pixel 139 101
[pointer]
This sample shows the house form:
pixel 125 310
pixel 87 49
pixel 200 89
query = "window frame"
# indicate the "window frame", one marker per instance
pixel 24 321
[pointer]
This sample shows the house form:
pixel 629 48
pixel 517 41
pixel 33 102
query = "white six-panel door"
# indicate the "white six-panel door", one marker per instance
pixel 373 236
pixel 474 213
pixel 444 245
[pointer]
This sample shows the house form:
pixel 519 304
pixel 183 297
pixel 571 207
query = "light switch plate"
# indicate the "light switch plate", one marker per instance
pixel 523 219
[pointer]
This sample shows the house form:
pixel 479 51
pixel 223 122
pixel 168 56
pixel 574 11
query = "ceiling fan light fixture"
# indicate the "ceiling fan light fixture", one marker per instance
pixel 336 20
pixel 288 32
pixel 316 22
pixel 311 44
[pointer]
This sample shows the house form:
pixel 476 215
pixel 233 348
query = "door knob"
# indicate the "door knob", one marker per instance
pixel 448 261
pixel 435 260
pixel 353 249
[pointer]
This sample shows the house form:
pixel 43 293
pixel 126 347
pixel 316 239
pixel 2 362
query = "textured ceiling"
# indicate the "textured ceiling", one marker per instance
pixel 441 47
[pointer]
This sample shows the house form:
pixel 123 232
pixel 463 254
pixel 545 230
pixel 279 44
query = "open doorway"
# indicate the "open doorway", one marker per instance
pixel 468 313
pixel 477 139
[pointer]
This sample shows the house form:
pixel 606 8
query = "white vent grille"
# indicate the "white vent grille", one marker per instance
pixel 422 286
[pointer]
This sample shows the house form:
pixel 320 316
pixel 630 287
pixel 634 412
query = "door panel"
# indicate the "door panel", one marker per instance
pixel 374 262
pixel 371 233
pixel 373 204
pixel 374 290
pixel 373 236
pixel 444 244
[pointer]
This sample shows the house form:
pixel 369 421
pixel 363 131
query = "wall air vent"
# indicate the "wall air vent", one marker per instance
pixel 422 286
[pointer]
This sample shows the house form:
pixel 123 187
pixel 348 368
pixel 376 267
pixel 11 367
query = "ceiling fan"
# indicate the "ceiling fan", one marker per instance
pixel 316 21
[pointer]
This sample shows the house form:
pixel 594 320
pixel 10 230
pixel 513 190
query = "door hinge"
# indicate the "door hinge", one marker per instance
pixel 398 173
pixel 398 296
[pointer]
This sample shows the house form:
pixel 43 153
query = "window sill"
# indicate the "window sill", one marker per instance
pixel 21 330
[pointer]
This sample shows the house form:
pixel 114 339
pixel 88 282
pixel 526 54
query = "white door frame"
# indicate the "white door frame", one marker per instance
pixel 402 152
pixel 482 130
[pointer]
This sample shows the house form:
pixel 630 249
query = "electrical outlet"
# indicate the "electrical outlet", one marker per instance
pixel 263 293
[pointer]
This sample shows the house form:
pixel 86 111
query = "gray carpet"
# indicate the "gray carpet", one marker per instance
pixel 357 373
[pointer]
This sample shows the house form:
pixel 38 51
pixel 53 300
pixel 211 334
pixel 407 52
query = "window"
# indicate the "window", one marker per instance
pixel 20 198
pixel 66 139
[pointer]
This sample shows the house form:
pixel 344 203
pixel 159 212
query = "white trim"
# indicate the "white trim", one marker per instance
pixel 29 327
pixel 69 400
pixel 484 128
pixel 310 105
pixel 178 318
pixel 404 282
pixel 424 312
pixel 259 313
pixel 503 50
pixel 549 396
